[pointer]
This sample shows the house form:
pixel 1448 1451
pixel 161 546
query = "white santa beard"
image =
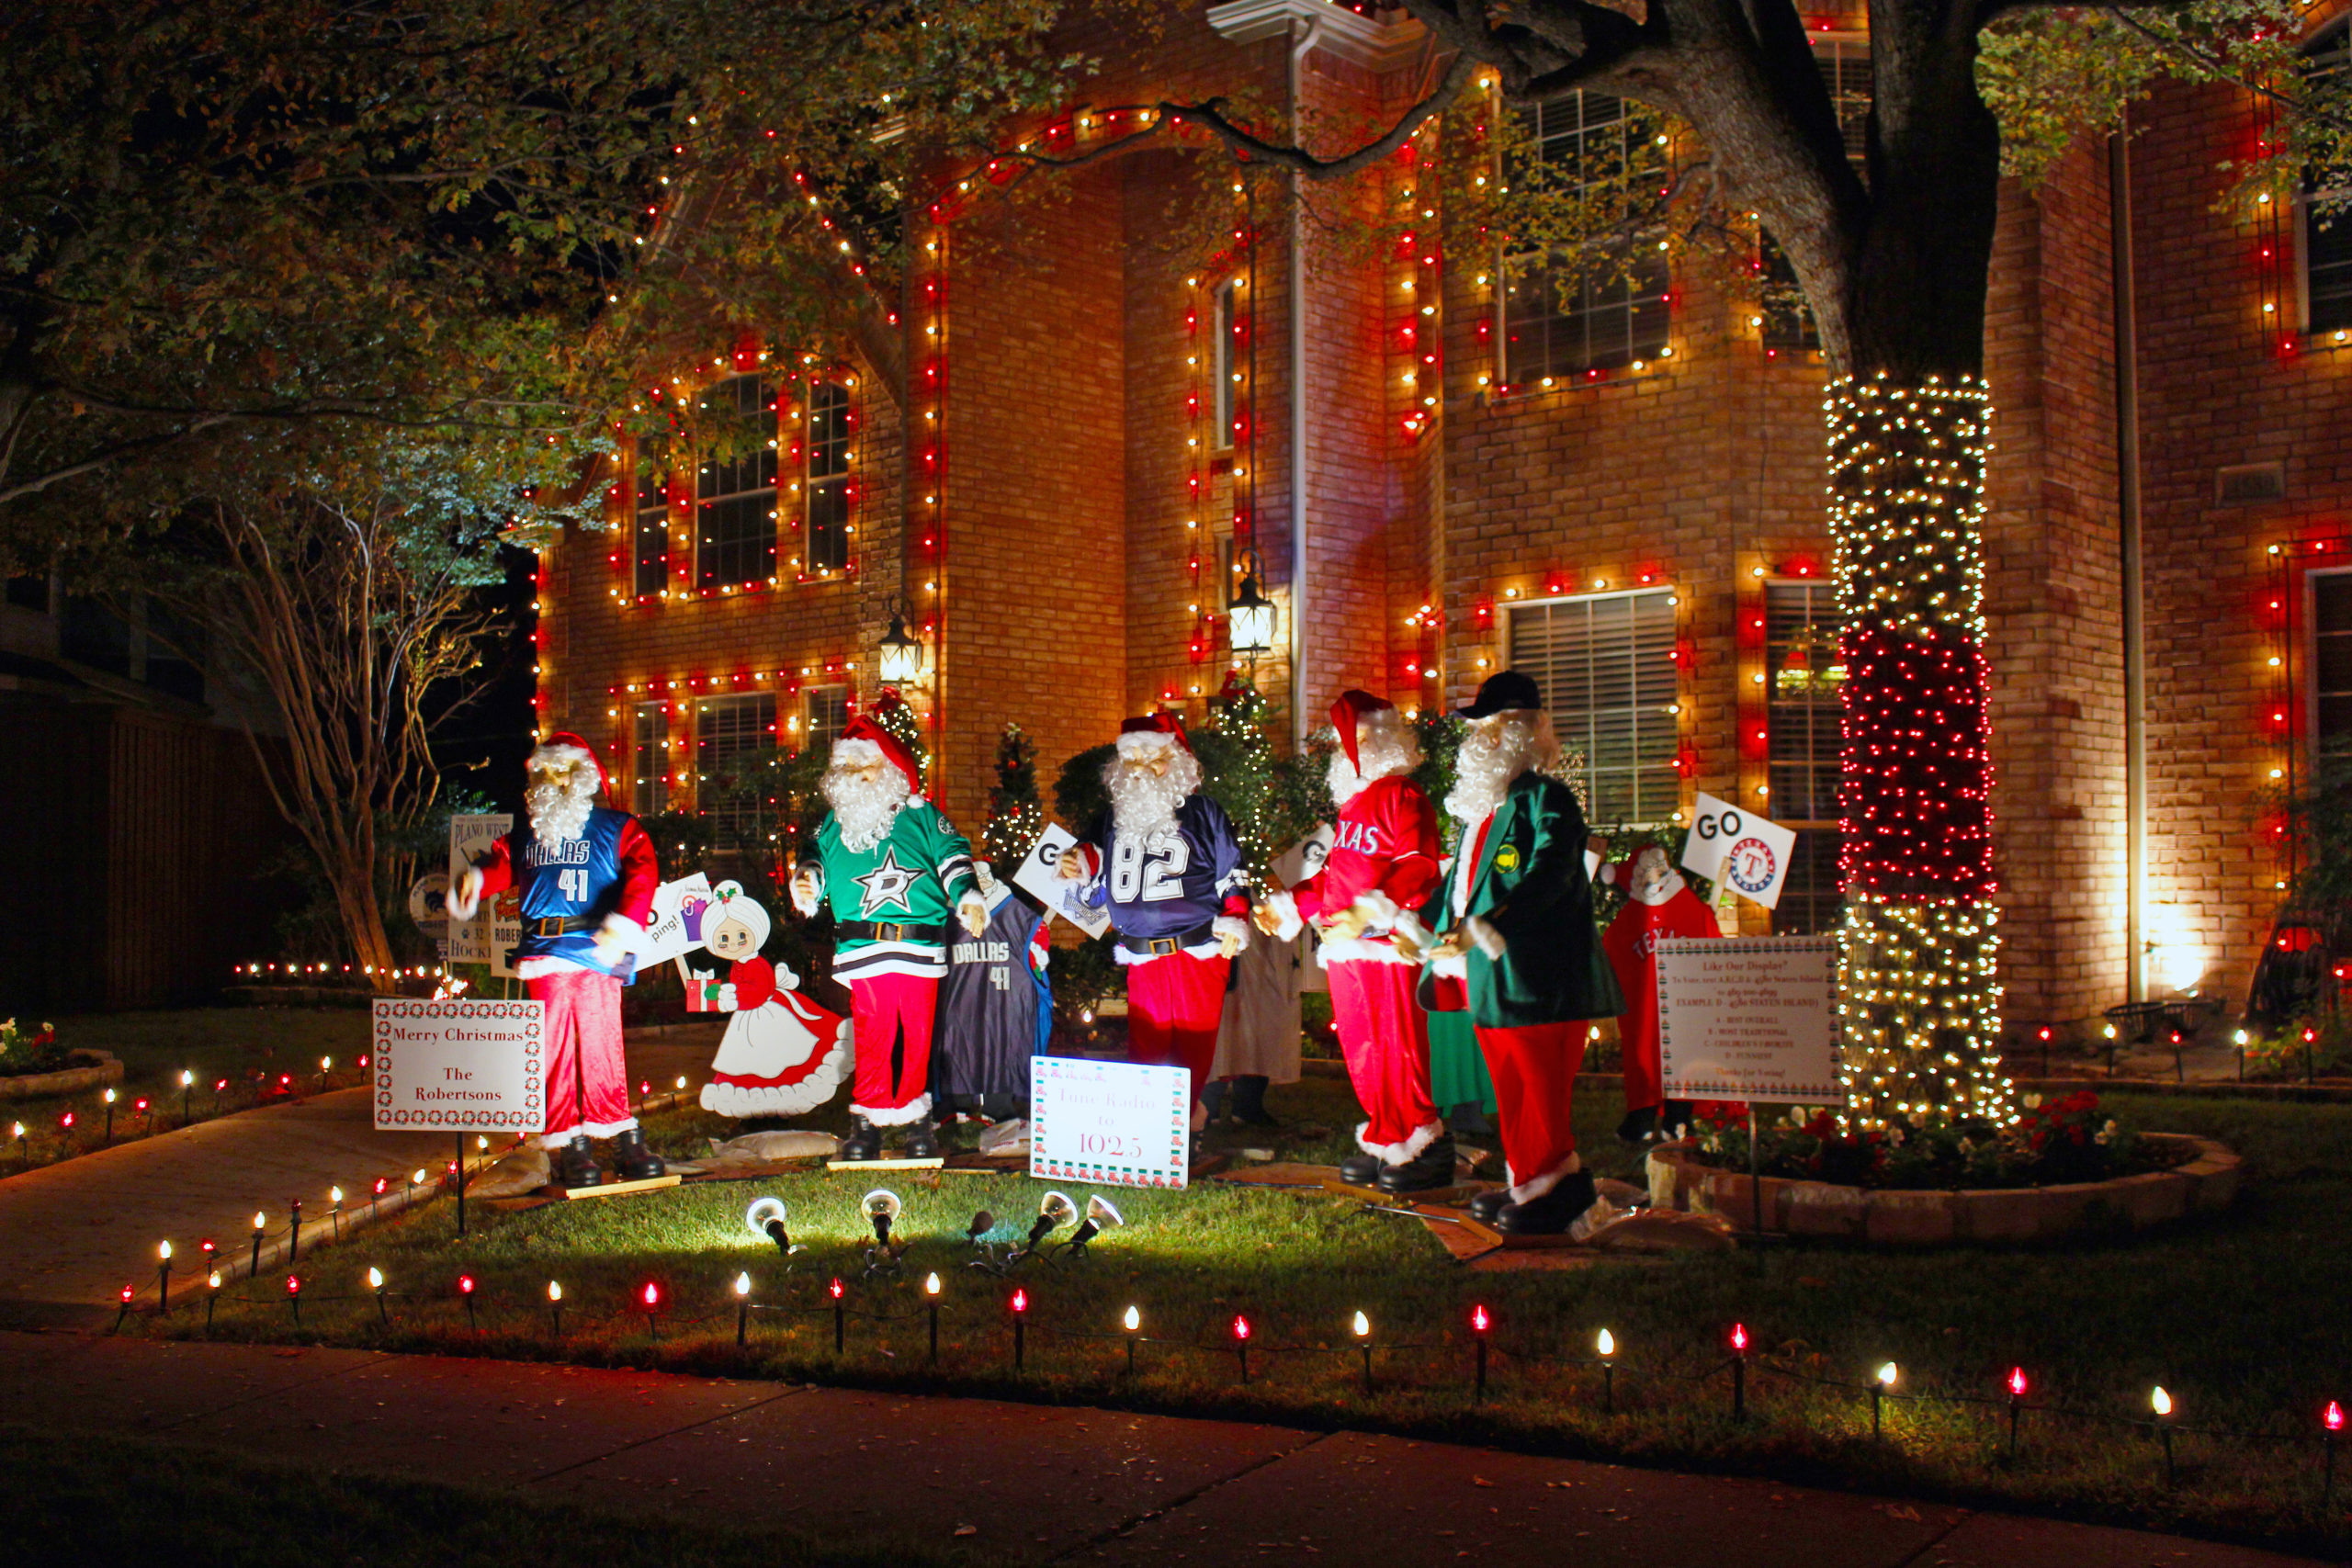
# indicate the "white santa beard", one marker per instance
pixel 864 807
pixel 1385 752
pixel 1484 770
pixel 1143 802
pixel 558 808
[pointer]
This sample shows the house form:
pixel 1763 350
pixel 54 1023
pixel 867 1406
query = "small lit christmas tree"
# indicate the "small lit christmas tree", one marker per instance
pixel 1238 768
pixel 892 713
pixel 1015 817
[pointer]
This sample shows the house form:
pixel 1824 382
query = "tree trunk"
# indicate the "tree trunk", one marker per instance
pixel 1908 433
pixel 363 917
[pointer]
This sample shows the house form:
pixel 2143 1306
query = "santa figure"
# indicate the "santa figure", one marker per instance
pixel 1658 903
pixel 1519 951
pixel 1381 872
pixel 585 874
pixel 1164 862
pixel 898 876
pixel 782 1053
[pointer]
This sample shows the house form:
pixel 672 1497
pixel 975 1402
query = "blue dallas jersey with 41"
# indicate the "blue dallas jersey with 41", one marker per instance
pixel 580 878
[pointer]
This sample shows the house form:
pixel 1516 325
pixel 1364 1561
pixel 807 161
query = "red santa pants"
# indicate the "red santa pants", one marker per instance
pixel 1535 1069
pixel 1174 1005
pixel 587 1078
pixel 1637 1050
pixel 1384 1036
pixel 891 1017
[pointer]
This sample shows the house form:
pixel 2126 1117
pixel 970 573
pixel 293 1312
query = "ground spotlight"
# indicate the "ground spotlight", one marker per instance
pixel 765 1217
pixel 1101 1213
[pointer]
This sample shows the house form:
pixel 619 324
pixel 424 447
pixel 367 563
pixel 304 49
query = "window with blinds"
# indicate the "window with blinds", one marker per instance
pixel 730 734
pixel 1803 721
pixel 649 759
pixel 650 535
pixel 1605 663
pixel 735 495
pixel 2327 205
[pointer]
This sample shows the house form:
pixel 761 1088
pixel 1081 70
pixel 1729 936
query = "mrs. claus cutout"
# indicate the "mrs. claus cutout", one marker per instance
pixel 782 1053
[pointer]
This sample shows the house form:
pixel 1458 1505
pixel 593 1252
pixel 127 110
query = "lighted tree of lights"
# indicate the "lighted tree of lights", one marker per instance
pixel 1016 820
pixel 1919 996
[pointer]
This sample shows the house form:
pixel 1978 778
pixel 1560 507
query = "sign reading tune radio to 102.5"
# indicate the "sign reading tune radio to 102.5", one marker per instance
pixel 1119 1123
pixel 462 1067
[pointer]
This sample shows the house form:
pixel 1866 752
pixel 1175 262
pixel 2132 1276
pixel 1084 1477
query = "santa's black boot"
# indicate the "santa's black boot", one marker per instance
pixel 1486 1205
pixel 864 1141
pixel 1639 1126
pixel 1426 1171
pixel 1213 1097
pixel 634 1160
pixel 1249 1100
pixel 922 1142
pixel 1553 1213
pixel 574 1165
pixel 1359 1169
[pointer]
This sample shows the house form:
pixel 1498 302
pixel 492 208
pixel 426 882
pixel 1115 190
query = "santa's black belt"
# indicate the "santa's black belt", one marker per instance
pixel 876 930
pixel 1161 946
pixel 564 925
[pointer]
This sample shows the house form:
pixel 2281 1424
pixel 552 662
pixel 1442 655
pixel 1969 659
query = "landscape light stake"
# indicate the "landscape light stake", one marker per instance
pixel 212 1297
pixel 1607 1347
pixel 1879 1385
pixel 334 1196
pixel 376 1282
pixel 1480 1322
pixel 744 1315
pixel 1363 1327
pixel 127 1291
pixel 2016 1405
pixel 555 1306
pixel 164 1280
pixel 2330 1424
pixel 651 1297
pixel 23 1149
pixel 931 1291
pixel 1019 1326
pixel 1133 1324
pixel 294 1234
pixel 146 1110
pixel 294 1298
pixel 840 1315
pixel 466 1293
pixel 1739 1372
pixel 108 1137
pixel 2161 1402
pixel 187 1092
pixel 1242 1345
pixel 252 1270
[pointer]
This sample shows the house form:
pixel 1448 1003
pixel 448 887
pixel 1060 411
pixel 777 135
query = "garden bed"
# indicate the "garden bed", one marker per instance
pixel 2200 1176
pixel 81 1071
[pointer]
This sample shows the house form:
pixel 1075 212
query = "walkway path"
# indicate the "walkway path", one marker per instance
pixel 1035 1485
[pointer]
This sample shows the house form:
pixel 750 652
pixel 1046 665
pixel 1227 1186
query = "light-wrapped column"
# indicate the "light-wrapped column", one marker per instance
pixel 1919 993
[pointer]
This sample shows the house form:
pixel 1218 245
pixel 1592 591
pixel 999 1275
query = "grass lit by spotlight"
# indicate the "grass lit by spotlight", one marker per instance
pixel 2240 1319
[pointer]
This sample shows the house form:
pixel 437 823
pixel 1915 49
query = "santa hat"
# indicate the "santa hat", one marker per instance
pixel 862 733
pixel 1348 716
pixel 565 750
pixel 1152 732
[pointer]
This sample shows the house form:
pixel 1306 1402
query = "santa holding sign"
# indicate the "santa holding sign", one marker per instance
pixel 1659 904
pixel 896 874
pixel 587 876
pixel 1382 871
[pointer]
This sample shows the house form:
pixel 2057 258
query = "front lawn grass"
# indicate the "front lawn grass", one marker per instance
pixel 2240 1317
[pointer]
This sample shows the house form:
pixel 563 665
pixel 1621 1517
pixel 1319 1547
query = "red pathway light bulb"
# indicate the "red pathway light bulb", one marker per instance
pixel 2333 1417
pixel 1739 1337
pixel 2017 1382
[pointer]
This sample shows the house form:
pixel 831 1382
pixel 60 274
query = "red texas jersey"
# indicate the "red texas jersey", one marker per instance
pixel 1385 842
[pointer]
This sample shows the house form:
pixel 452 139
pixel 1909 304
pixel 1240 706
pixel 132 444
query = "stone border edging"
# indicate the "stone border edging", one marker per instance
pixel 65 1080
pixel 1931 1217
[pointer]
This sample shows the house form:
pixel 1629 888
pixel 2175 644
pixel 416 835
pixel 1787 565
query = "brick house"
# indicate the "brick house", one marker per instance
pixel 1442 472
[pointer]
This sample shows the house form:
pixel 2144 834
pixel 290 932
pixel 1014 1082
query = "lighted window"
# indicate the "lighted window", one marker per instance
pixel 1803 677
pixel 1603 305
pixel 1605 662
pixel 1845 61
pixel 825 490
pixel 1225 359
pixel 650 533
pixel 650 758
pixel 828 717
pixel 735 487
pixel 2331 662
pixel 734 738
pixel 2326 209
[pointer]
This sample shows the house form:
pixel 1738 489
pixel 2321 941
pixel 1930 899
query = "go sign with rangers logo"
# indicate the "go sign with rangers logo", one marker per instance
pixel 1727 844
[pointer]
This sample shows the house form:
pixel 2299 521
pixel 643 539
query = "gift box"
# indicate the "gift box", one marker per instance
pixel 702 994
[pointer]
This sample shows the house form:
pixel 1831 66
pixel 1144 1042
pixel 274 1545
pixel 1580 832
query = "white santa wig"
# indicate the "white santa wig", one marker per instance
pixel 863 807
pixel 1386 746
pixel 565 779
pixel 1143 801
pixel 1495 751
pixel 729 902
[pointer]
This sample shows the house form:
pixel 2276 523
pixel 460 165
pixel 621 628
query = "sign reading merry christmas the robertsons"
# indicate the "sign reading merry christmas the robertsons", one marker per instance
pixel 1750 1019
pixel 463 1067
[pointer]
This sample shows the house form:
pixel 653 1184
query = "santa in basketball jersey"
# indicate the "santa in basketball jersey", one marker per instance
pixel 587 876
pixel 1382 871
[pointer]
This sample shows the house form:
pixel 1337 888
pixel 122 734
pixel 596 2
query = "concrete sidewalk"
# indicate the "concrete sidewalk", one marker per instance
pixel 1022 1484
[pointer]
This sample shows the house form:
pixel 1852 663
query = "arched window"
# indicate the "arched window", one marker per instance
pixel 735 493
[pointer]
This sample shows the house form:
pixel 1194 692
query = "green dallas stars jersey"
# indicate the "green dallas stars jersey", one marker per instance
pixel 913 877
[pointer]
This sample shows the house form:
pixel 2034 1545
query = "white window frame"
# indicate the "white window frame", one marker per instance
pixel 1581 739
pixel 2313 751
pixel 654 782
pixel 702 581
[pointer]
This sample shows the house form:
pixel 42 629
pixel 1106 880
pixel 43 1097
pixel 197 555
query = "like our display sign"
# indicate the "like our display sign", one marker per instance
pixel 1739 850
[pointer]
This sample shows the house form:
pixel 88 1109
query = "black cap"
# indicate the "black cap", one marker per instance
pixel 1507 690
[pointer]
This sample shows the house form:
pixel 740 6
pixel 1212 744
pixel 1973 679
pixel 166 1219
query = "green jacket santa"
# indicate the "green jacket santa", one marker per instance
pixel 898 878
pixel 1517 947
